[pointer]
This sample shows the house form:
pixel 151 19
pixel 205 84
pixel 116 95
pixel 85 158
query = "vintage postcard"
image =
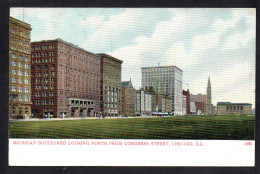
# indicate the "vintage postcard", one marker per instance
pixel 132 86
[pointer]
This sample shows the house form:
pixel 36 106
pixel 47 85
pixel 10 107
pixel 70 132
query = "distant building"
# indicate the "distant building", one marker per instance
pixel 227 108
pixel 65 80
pixel 143 102
pixel 110 86
pixel 203 102
pixel 184 105
pixel 165 80
pixel 163 103
pixel 128 99
pixel 192 107
pixel 187 97
pixel 200 102
pixel 19 69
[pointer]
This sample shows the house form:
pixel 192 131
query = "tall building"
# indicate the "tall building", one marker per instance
pixel 110 86
pixel 209 102
pixel 128 99
pixel 187 97
pixel 165 80
pixel 227 108
pixel 143 102
pixel 19 69
pixel 65 80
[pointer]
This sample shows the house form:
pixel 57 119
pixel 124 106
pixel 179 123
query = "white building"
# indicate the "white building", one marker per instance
pixel 165 80
pixel 143 102
pixel 192 107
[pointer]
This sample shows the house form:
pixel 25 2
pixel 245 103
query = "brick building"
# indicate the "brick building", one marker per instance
pixel 65 80
pixel 19 69
pixel 110 86
pixel 128 99
pixel 187 96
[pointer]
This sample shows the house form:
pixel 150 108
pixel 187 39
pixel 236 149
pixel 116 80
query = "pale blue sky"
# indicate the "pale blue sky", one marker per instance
pixel 219 43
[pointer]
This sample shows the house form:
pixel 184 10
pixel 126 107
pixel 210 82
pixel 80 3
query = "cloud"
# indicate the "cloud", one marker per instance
pixel 219 43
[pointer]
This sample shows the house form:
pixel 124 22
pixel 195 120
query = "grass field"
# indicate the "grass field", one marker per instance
pixel 182 127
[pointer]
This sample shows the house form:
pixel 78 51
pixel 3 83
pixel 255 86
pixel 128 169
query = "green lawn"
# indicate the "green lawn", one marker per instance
pixel 179 127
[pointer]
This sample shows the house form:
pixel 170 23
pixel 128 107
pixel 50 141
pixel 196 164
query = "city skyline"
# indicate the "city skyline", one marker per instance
pixel 219 43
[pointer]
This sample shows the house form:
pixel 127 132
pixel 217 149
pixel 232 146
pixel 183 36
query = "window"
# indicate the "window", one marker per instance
pixel 51 93
pixel 38 74
pixel 26 74
pixel 13 88
pixel 26 97
pixel 52 102
pixel 20 81
pixel 37 94
pixel 13 71
pixel 13 63
pixel 13 56
pixel 20 97
pixel 26 66
pixel 45 67
pixel 44 94
pixel 20 73
pixel 38 80
pixel 38 87
pixel 45 86
pixel 38 67
pixel 52 66
pixel 51 86
pixel 26 81
pixel 46 80
pixel 20 57
pixel 20 65
pixel 20 89
pixel 14 80
pixel 26 90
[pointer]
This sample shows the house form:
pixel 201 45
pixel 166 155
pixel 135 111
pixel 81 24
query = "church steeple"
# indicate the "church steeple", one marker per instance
pixel 208 109
pixel 209 84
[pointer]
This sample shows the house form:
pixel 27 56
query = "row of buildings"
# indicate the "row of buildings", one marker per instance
pixel 55 78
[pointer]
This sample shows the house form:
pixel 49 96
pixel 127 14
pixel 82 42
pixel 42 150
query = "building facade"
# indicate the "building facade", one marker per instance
pixel 200 101
pixel 228 108
pixel 163 103
pixel 165 80
pixel 143 102
pixel 65 80
pixel 187 97
pixel 110 86
pixel 19 69
pixel 128 99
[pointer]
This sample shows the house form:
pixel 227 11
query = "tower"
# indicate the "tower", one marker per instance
pixel 208 106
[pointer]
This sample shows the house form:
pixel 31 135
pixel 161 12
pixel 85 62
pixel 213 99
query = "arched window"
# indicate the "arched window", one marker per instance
pixel 13 56
pixel 21 57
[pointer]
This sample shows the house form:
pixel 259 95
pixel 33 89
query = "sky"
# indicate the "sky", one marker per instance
pixel 204 42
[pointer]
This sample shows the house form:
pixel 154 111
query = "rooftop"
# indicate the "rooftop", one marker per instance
pixel 20 23
pixel 229 103
pixel 108 56
pixel 65 42
pixel 161 67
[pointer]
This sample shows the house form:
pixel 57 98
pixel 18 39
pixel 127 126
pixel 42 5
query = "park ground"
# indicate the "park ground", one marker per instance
pixel 225 127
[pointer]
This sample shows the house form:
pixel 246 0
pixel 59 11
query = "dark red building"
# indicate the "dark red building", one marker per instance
pixel 187 94
pixel 65 80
